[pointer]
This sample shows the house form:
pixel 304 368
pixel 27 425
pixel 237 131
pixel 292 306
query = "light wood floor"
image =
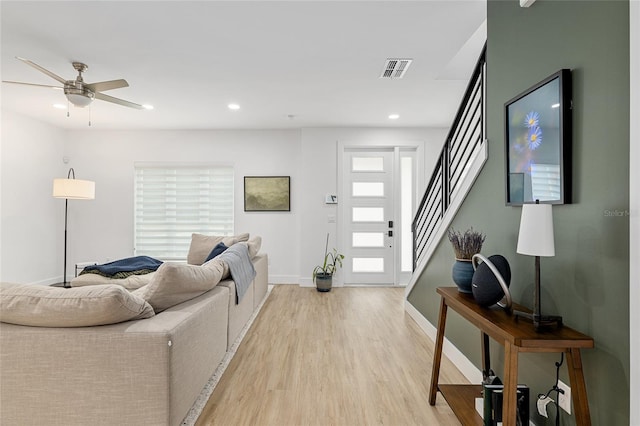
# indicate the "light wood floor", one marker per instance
pixel 348 357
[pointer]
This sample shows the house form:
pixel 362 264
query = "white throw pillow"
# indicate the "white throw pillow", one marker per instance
pixel 174 283
pixel 201 245
pixel 254 245
pixel 45 306
pixel 132 282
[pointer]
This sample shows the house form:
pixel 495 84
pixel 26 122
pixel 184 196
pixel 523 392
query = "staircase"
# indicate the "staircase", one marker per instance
pixel 461 159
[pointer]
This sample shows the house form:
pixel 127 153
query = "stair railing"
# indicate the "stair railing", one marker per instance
pixel 467 132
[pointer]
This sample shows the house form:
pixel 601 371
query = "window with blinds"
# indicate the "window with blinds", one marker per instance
pixel 172 202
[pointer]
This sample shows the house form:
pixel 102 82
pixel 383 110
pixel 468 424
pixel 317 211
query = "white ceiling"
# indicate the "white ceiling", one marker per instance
pixel 319 61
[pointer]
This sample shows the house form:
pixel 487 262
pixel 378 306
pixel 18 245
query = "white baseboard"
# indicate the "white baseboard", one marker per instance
pixel 311 284
pixel 466 367
pixel 49 281
pixel 308 282
pixel 283 279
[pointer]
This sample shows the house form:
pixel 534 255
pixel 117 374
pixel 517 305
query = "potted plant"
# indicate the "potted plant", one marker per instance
pixel 323 275
pixel 465 245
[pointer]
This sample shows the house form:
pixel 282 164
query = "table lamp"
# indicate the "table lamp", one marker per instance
pixel 535 238
pixel 74 189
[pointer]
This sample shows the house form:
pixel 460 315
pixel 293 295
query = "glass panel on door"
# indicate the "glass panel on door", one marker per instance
pixel 368 189
pixel 368 214
pixel 367 239
pixel 367 164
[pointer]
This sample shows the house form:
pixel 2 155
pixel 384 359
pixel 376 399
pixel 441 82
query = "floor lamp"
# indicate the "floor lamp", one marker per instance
pixel 71 189
pixel 535 238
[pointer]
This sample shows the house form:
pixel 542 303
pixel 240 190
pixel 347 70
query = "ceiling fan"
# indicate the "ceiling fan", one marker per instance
pixel 77 91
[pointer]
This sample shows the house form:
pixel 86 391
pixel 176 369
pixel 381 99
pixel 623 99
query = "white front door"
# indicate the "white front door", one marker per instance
pixel 368 214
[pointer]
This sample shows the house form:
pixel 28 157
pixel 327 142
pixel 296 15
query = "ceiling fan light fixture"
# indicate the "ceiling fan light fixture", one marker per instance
pixel 79 93
pixel 79 101
pixel 80 97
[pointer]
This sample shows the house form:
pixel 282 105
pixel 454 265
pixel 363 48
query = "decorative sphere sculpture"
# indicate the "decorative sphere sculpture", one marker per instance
pixel 491 279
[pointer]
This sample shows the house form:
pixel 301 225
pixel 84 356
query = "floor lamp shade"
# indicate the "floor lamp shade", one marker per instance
pixel 535 237
pixel 74 189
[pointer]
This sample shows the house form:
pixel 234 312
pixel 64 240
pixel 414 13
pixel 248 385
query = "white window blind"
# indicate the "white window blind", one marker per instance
pixel 172 202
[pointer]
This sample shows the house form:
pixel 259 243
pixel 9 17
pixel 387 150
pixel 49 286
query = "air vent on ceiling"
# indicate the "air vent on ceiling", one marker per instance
pixel 395 67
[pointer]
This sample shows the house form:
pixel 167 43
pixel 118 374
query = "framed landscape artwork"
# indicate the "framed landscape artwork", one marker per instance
pixel 267 194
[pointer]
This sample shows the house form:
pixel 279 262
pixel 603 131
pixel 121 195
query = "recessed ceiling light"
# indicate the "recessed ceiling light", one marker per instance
pixel 394 116
pixel 147 106
pixel 233 107
pixel 59 106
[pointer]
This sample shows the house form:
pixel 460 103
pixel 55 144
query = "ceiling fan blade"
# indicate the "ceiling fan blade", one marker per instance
pixel 32 84
pixel 101 86
pixel 39 68
pixel 118 101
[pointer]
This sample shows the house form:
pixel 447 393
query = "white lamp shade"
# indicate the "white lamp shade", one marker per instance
pixel 74 189
pixel 535 237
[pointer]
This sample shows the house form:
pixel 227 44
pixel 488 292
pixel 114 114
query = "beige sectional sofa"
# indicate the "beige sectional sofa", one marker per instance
pixel 241 312
pixel 141 372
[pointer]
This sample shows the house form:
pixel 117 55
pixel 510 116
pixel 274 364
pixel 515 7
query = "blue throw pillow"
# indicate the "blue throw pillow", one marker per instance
pixel 219 248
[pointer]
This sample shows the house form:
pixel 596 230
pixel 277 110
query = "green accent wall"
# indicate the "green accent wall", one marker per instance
pixel 587 282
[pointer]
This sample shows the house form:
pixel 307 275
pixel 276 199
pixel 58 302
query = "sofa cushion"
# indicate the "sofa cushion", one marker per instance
pixel 174 283
pixel 45 306
pixel 132 282
pixel 201 245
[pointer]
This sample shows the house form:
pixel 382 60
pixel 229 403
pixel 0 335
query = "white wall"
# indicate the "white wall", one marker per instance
pixel 634 201
pixel 103 229
pixel 32 227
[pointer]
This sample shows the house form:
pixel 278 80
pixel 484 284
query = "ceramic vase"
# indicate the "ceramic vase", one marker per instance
pixel 462 273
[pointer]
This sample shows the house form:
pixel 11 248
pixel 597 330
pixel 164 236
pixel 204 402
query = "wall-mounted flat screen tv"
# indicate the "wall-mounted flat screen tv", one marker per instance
pixel 538 142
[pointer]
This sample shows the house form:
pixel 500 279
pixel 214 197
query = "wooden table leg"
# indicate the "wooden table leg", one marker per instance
pixel 578 388
pixel 437 353
pixel 509 393
pixel 486 355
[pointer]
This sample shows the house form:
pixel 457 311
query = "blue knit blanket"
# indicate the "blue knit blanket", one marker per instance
pixel 240 267
pixel 122 268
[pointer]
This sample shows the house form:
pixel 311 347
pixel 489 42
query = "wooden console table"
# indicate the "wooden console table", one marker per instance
pixel 515 336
